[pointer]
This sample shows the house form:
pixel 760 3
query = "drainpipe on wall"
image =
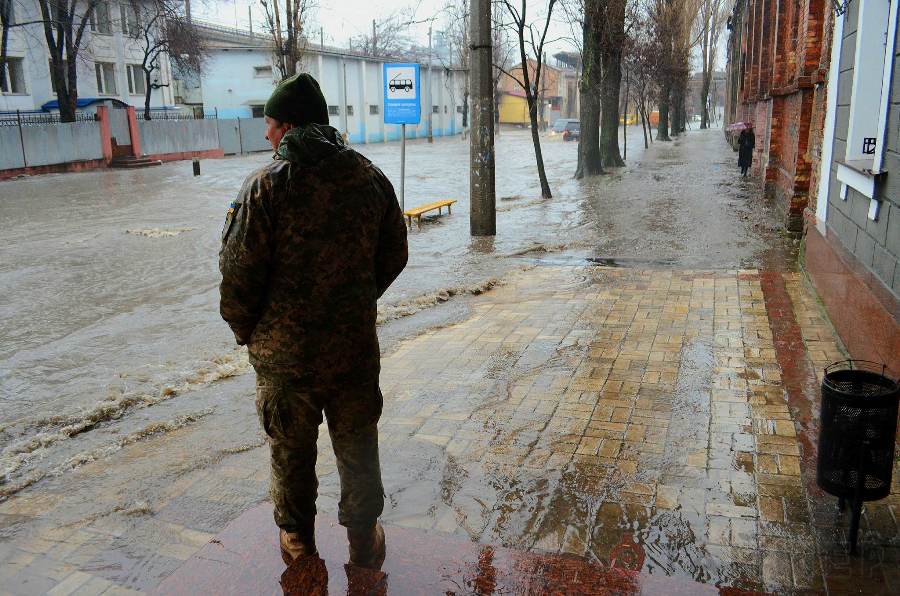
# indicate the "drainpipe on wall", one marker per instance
pixel 344 99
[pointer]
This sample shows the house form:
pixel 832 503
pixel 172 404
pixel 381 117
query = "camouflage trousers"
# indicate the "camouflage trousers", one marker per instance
pixel 290 414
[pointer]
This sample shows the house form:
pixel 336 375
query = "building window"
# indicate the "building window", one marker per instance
pixel 262 72
pixel 445 109
pixel 867 124
pixel 374 110
pixel 99 21
pixel 257 111
pixel 106 78
pixel 12 78
pixel 868 75
pixel 349 110
pixel 435 109
pixel 334 110
pixel 459 109
pixel 136 80
pixel 131 24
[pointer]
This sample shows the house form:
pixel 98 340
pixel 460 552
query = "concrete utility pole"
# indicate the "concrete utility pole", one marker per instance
pixel 482 197
pixel 374 38
pixel 187 10
pixel 430 108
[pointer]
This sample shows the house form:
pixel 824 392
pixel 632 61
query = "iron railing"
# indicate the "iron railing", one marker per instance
pixel 32 118
pixel 177 115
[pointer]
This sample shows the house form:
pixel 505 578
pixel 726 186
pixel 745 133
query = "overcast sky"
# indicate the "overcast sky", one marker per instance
pixel 342 19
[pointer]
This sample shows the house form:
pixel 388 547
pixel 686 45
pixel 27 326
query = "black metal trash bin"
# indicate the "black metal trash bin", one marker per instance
pixel 856 435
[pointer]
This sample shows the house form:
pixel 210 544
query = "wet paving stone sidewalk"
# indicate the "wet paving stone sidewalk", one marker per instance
pixel 652 421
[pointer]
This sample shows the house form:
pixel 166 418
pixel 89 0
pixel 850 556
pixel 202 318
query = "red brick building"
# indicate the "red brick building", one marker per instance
pixel 778 57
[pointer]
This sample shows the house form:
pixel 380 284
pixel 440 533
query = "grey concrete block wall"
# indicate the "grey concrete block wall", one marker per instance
pixel 875 244
pixel 10 148
pixel 243 135
pixel 177 136
pixel 48 144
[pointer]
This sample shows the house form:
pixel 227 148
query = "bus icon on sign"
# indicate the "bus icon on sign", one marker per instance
pixel 398 84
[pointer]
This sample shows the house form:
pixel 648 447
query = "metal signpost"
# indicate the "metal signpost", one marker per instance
pixel 402 106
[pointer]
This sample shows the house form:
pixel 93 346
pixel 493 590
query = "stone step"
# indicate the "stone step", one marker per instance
pixel 134 162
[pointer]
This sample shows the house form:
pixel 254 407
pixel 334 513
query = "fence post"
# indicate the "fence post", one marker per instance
pixel 240 137
pixel 105 134
pixel 134 132
pixel 21 139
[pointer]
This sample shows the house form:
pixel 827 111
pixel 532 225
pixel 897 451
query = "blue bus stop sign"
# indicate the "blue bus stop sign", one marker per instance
pixel 401 94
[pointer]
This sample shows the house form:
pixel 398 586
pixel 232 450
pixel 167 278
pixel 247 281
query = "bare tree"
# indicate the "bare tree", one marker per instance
pixel 612 17
pixel 640 64
pixel 388 37
pixel 163 32
pixel 64 23
pixel 457 33
pixel 709 24
pixel 503 49
pixel 531 37
pixel 671 31
pixel 286 23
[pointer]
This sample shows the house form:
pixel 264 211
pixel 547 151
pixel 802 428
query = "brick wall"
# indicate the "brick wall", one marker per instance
pixel 783 44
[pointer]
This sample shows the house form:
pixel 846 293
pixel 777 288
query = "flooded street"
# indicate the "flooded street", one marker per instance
pixel 100 268
pixel 602 374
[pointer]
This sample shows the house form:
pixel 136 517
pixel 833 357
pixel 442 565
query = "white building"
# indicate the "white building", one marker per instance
pixel 108 65
pixel 238 78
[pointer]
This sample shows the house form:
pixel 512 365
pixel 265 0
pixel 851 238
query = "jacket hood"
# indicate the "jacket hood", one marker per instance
pixel 309 145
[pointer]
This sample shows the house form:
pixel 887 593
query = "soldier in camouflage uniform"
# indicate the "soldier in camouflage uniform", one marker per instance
pixel 312 241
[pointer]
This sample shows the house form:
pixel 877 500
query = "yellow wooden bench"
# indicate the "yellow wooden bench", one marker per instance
pixel 419 211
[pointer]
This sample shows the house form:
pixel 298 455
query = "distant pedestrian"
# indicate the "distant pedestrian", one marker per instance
pixel 746 143
pixel 309 245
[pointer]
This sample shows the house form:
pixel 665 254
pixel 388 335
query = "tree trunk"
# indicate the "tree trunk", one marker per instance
pixel 704 99
pixel 609 123
pixel 68 105
pixel 590 162
pixel 612 83
pixel 625 123
pixel 643 122
pixel 676 110
pixel 465 107
pixel 147 90
pixel 6 10
pixel 538 155
pixel 662 129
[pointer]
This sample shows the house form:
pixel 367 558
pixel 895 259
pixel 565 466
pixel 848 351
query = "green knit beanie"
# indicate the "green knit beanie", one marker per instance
pixel 299 101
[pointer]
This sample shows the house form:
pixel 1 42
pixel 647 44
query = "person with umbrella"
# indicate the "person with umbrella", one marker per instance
pixel 746 143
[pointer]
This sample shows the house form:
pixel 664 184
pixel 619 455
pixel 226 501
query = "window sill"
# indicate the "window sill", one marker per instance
pixel 14 94
pixel 859 175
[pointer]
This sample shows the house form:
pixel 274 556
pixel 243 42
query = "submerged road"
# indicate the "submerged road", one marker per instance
pixel 126 414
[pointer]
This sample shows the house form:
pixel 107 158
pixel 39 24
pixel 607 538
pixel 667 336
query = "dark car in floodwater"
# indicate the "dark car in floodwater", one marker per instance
pixel 570 129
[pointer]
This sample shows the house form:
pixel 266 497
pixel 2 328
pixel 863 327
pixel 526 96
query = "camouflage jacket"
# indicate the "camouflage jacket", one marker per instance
pixel 310 244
